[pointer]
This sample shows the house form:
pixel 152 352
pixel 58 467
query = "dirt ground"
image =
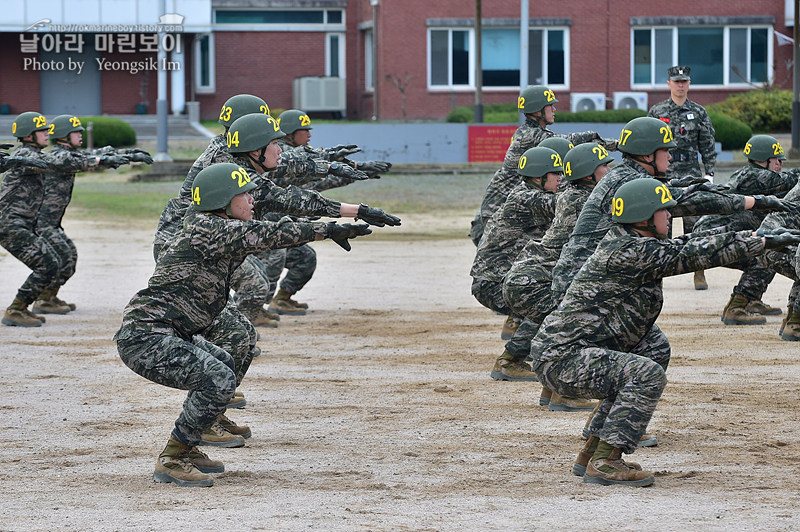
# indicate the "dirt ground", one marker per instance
pixel 376 411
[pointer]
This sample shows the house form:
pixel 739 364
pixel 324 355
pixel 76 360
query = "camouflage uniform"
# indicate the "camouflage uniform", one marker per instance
pixel 693 133
pixel 786 261
pixel 525 216
pixel 506 178
pixel 602 341
pixel 595 218
pixel 21 195
pixel 526 286
pixel 751 180
pixel 166 334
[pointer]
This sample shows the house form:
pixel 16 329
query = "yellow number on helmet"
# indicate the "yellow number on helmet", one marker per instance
pixel 550 95
pixel 666 196
pixel 568 168
pixel 225 113
pixel 233 140
pixel 747 148
pixel 275 125
pixel 667 134
pixel 623 136
pixel 52 129
pixel 40 121
pixel 13 128
pixel 556 160
pixel 777 148
pixel 522 162
pixel 601 152
pixel 264 109
pixel 618 206
pixel 75 121
pixel 305 120
pixel 196 195
pixel 241 176
pixel 521 102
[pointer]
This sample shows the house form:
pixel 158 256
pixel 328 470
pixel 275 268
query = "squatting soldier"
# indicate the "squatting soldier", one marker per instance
pixel 761 175
pixel 65 134
pixel 164 325
pixel 21 195
pixel 693 132
pixel 644 143
pixel 526 286
pixel 525 216
pixel 537 103
pixel 602 341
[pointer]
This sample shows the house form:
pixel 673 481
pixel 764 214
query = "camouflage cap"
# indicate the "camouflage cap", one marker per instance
pixel 679 73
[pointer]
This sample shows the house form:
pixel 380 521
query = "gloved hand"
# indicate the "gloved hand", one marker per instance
pixel 13 162
pixel 374 216
pixel 113 161
pixel 780 240
pixel 6 146
pixel 343 170
pixel 687 181
pixel 706 187
pixel 772 204
pixel 609 144
pixel 337 153
pixel 341 233
pixel 139 156
pixel 374 167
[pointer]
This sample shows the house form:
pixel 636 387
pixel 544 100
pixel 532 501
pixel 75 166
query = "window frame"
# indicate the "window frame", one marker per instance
pixel 198 57
pixel 369 65
pixel 342 57
pixel 727 83
pixel 259 26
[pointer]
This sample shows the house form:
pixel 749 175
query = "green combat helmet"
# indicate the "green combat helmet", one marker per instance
pixel 560 144
pixel 637 200
pixel 240 105
pixel 292 120
pixel 538 161
pixel 761 148
pixel 252 132
pixel 215 186
pixel 645 135
pixel 583 160
pixel 27 123
pixel 534 98
pixel 63 125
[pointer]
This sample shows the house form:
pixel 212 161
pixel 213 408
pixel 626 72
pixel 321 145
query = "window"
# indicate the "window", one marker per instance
pixel 718 55
pixel 451 62
pixel 369 73
pixel 280 18
pixel 204 63
pixel 334 55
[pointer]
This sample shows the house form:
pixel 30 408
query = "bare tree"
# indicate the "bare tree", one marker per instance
pixel 402 85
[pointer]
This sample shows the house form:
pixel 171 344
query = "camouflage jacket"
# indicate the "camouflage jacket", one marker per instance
pixel 617 296
pixel 527 136
pixel 693 134
pixel 525 216
pixel 749 181
pixel 789 219
pixel 191 281
pixel 22 190
pixel 595 218
pixel 569 202
pixel 58 185
pixel 318 183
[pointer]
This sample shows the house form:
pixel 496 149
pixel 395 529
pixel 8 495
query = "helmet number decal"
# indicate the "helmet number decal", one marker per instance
pixel 568 168
pixel 233 140
pixel 275 125
pixel 521 102
pixel 196 195
pixel 522 162
pixel 225 113
pixel 617 207
pixel 601 152
pixel 304 120
pixel 667 134
pixel 666 196
pixel 777 149
pixel 241 176
pixel 550 95
pixel 52 129
pixel 39 121
pixel 623 136
pixel 556 158
pixel 75 121
pixel 747 148
pixel 263 108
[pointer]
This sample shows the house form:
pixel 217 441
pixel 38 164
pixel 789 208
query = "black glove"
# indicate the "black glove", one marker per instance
pixel 780 240
pixel 113 161
pixel 343 170
pixel 341 233
pixel 6 146
pixel 374 216
pixel 771 204
pixel 374 167
pixel 337 153
pixel 139 156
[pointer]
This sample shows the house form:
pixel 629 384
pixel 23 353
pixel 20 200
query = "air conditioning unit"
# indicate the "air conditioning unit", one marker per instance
pixel 587 101
pixel 319 94
pixel 631 100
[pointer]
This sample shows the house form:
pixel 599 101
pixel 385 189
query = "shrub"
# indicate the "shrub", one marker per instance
pixel 732 133
pixel 765 111
pixel 108 131
pixel 507 113
pixel 461 114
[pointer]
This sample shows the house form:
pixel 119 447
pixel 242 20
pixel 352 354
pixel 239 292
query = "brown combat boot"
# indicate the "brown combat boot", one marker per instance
pixel 174 465
pixel 205 464
pixel 790 329
pixel 282 303
pixel 55 298
pixel 217 436
pixel 259 318
pixel 585 454
pixel 735 312
pixel 45 304
pixel 700 280
pixel 237 401
pixel 509 328
pixel 18 315
pixel 238 430
pixel 544 398
pixel 614 470
pixel 560 403
pixel 507 369
pixel 759 307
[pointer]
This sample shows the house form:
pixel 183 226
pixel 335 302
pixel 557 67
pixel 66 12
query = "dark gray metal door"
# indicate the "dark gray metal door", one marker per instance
pixel 64 90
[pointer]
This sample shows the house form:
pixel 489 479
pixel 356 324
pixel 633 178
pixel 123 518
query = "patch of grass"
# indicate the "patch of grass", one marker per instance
pixel 120 201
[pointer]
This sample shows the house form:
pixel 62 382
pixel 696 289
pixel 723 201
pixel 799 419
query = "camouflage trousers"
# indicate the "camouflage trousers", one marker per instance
pixel 37 254
pixel 785 262
pixel 628 384
pixel 526 291
pixel 199 366
pixel 251 286
pixel 754 280
pixel 234 333
pixel 66 250
pixel 490 295
pixel 300 263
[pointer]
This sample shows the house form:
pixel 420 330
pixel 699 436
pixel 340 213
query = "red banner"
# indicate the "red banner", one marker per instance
pixel 489 144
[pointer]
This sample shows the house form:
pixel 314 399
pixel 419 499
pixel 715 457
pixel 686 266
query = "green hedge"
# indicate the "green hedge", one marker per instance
pixel 732 133
pixel 108 131
pixel 765 111
pixel 507 113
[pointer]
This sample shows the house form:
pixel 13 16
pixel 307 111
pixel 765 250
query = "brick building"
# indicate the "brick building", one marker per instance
pixel 417 56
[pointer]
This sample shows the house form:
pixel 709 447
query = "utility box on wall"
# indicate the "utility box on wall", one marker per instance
pixel 320 94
